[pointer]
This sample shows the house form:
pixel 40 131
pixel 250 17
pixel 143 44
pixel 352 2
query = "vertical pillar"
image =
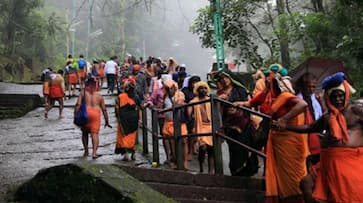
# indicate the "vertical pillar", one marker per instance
pixel 155 130
pixel 145 144
pixel 218 31
pixel 73 33
pixel 217 143
pixel 178 139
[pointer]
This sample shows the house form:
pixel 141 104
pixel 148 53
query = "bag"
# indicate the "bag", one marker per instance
pixel 81 116
pixel 129 118
pixel 81 63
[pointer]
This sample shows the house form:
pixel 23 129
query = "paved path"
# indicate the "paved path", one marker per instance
pixel 30 143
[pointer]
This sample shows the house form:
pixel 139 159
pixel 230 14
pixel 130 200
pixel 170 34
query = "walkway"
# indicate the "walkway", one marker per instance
pixel 31 143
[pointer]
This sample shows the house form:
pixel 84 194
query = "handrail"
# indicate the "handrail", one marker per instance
pixel 219 133
pixel 180 106
pixel 214 100
pixel 257 113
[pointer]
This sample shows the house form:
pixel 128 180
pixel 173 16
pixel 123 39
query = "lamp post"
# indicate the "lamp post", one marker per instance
pixel 218 31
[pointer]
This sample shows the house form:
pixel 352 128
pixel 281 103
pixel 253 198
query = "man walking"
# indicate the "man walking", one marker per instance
pixel 95 103
pixel 111 70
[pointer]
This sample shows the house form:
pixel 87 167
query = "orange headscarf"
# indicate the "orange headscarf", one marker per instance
pixel 337 122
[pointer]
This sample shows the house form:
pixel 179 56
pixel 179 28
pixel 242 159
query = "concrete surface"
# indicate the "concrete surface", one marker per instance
pixel 30 143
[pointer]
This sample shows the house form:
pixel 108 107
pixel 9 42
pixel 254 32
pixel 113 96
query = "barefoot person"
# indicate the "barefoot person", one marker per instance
pixel 95 103
pixel 203 124
pixel 127 117
pixel 56 92
pixel 45 78
pixel 173 96
pixel 338 176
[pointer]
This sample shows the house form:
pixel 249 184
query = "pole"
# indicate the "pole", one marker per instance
pixel 145 144
pixel 155 134
pixel 67 37
pixel 73 33
pixel 143 49
pixel 217 142
pixel 88 27
pixel 218 31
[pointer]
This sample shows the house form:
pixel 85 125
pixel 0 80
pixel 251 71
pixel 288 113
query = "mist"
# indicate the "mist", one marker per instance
pixel 158 28
pixel 185 47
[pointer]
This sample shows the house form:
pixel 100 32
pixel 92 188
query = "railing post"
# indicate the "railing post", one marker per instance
pixel 145 145
pixel 155 133
pixel 217 147
pixel 178 139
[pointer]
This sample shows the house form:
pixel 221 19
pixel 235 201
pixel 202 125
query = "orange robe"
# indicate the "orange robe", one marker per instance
pixel 123 141
pixel 340 176
pixel 200 126
pixel 286 154
pixel 57 87
pixel 94 119
pixel 101 70
pixel 81 73
pixel 72 78
pixel 168 128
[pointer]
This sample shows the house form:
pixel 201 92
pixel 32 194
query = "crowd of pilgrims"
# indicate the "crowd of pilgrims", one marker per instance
pixel 161 84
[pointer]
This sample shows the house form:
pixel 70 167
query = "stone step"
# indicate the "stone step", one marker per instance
pixel 200 187
pixel 186 200
pixel 16 105
pixel 184 178
pixel 176 191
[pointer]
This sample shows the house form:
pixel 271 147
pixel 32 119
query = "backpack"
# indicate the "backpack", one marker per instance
pixel 81 63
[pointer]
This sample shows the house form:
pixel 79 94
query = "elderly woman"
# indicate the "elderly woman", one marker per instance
pixel 127 117
pixel 173 96
pixel 236 123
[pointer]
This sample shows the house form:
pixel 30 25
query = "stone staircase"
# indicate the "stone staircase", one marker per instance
pixel 197 188
pixel 16 105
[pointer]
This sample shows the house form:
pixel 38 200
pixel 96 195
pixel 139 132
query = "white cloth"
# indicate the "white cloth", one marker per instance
pixel 165 77
pixel 318 111
pixel 185 82
pixel 110 67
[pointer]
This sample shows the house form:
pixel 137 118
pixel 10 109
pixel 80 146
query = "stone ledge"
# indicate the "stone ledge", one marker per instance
pixel 86 182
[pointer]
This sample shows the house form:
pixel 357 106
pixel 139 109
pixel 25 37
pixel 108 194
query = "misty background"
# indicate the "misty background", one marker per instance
pixel 158 28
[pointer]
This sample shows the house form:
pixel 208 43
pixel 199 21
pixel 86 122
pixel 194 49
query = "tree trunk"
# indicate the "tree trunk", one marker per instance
pixel 284 38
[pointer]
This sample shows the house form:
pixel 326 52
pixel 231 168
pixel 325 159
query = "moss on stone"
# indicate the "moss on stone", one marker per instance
pixel 86 182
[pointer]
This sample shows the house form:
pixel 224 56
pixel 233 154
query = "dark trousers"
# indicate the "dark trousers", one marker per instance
pixel 111 81
pixel 238 156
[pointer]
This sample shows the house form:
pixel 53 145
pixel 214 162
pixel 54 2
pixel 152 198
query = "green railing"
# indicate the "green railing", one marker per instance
pixel 217 133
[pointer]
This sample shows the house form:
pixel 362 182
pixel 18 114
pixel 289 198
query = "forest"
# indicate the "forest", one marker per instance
pixel 36 33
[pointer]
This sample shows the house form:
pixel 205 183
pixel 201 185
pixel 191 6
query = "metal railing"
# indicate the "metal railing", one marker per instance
pixel 216 133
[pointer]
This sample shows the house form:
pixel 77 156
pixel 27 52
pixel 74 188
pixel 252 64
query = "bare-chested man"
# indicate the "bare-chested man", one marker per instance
pixel 339 176
pixel 203 124
pixel 95 103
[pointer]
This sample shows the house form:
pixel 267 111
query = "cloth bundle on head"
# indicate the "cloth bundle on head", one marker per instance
pixel 336 82
pixel 276 67
pixel 199 84
pixel 337 122
pixel 231 76
pixel 179 97
pixel 165 77
pixel 284 83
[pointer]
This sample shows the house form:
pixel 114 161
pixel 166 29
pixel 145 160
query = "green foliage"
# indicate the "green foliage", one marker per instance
pixel 334 31
pixel 235 15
